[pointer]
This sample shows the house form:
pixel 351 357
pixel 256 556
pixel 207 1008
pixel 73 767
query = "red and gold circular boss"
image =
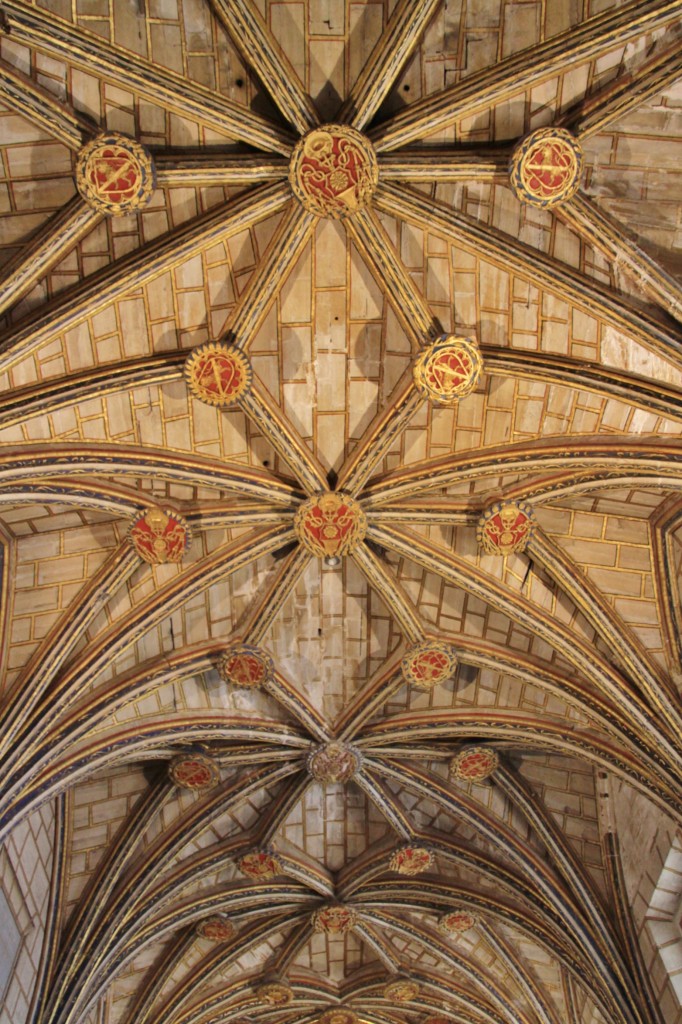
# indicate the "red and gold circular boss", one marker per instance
pixel 546 167
pixel 160 535
pixel 333 171
pixel 115 174
pixel 245 665
pixel 217 374
pixel 330 524
pixel 448 370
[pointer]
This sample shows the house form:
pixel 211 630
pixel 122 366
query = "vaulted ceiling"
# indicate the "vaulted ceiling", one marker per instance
pixel 340 503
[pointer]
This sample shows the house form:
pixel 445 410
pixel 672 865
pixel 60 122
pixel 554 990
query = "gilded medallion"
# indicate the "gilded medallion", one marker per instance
pixel 330 524
pixel 429 663
pixel 334 171
pixel 546 167
pixel 506 528
pixel 246 666
pixel 217 374
pixel 334 919
pixel 160 535
pixel 411 860
pixel 193 771
pixel 260 865
pixel 338 1015
pixel 115 174
pixel 448 370
pixel 275 993
pixel 217 929
pixel 474 764
pixel 403 990
pixel 334 762
pixel 456 921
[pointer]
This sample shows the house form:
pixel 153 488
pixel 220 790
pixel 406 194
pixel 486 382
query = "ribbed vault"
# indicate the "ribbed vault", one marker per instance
pixel 340 503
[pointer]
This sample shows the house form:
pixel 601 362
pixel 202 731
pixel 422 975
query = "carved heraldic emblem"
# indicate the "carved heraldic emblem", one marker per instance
pixel 428 663
pixel 401 991
pixel 193 771
pixel 275 993
pixel 546 167
pixel 448 370
pixel 218 374
pixel 160 535
pixel 260 865
pixel 115 174
pixel 506 527
pixel 246 666
pixel 338 1015
pixel 334 919
pixel 456 921
pixel 217 929
pixel 411 860
pixel 330 524
pixel 333 762
pixel 474 764
pixel 333 171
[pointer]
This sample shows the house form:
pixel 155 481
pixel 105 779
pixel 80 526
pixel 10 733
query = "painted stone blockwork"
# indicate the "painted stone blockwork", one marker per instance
pixel 652 863
pixel 25 874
